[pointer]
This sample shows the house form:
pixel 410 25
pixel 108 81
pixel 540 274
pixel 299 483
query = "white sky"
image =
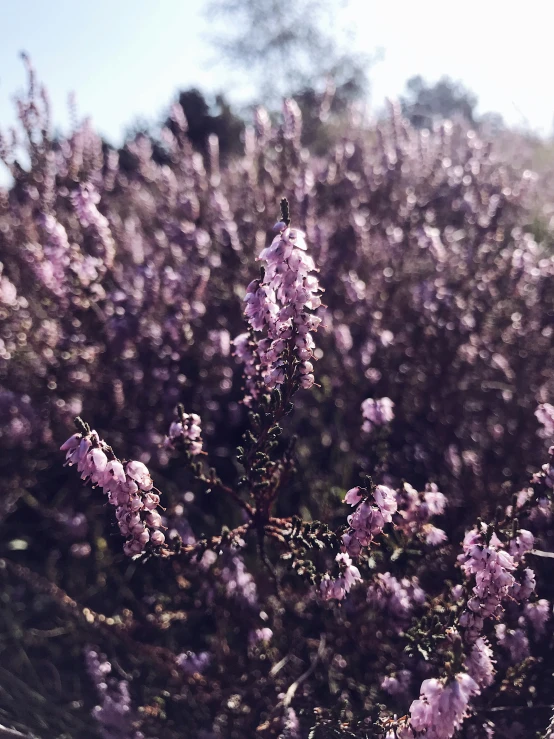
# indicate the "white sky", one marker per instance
pixel 126 58
pixel 503 51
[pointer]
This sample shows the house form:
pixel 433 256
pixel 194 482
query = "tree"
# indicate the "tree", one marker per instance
pixel 323 111
pixel 204 119
pixel 287 45
pixel 445 99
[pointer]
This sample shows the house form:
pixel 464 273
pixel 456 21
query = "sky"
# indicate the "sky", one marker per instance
pixel 126 59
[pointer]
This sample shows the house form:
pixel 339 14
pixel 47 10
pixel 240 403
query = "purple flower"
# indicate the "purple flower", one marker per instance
pixel 386 502
pixel 192 663
pixel 441 708
pixel 492 568
pixel 368 520
pixel 398 683
pixel 187 431
pixel 545 416
pixel 395 598
pixel 85 200
pixel 8 292
pixel 260 635
pixel 480 664
pixel 538 613
pixel 128 487
pixel 376 412
pixel 415 510
pixel 353 496
pixel 291 725
pixel 337 588
pixel 279 306
pixel 514 641
pixel 115 712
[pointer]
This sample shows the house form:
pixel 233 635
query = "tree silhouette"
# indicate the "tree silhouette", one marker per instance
pixel 286 45
pixel 445 99
pixel 204 119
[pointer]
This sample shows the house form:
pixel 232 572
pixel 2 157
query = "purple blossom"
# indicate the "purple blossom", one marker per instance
pixel 336 589
pixel 514 641
pixel 397 684
pixel 497 575
pixel 8 291
pixel 545 416
pixel 186 431
pixel 114 713
pixel 129 488
pixel 52 268
pixel 192 663
pixel 521 544
pixel 291 725
pixel 238 582
pixel 280 306
pixel 442 707
pixel 260 635
pixel 395 598
pixel 376 412
pixel 85 199
pixel 368 520
pixel 480 664
pixel 353 496
pixel 292 120
pixel 415 510
pixel 245 350
pixel 538 613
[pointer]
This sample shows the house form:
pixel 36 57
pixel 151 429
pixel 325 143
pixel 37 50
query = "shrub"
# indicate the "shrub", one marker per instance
pixel 251 598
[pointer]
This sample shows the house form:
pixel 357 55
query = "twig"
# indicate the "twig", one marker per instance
pixel 232 494
pixel 289 695
pixel 539 553
pixel 6 733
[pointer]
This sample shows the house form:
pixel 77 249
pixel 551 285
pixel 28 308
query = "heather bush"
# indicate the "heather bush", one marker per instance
pixel 314 408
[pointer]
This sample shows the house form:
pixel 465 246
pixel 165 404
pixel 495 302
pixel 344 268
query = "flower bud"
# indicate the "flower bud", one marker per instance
pixel 157 538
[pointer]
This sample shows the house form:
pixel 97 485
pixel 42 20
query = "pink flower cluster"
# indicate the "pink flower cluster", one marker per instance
pixel 114 714
pixel 545 416
pixel 50 263
pixel 336 589
pixel 262 635
pixel 187 431
pixel 292 119
pixel 291 725
pixel 245 350
pixel 537 614
pixel 85 200
pixel 514 641
pixel 521 544
pixel 8 291
pixel 441 707
pixel 395 598
pixel 376 412
pixel 238 581
pixel 415 510
pixel 279 305
pixel 480 664
pixel 398 683
pixel 547 471
pixel 368 520
pixel 492 566
pixel 128 486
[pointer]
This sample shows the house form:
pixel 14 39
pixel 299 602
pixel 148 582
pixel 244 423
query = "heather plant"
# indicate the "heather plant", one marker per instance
pixel 313 403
